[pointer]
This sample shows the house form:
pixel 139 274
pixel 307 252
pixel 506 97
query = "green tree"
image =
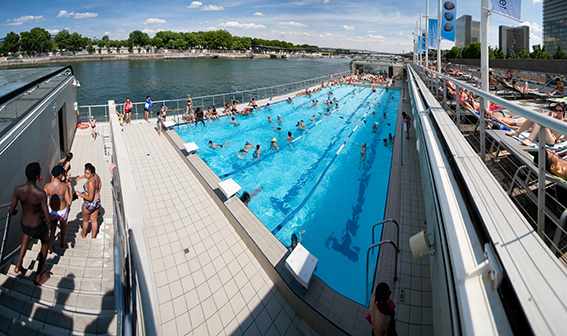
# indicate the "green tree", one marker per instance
pixel 138 38
pixel 11 43
pixel 90 48
pixel 559 54
pixel 35 41
pixel 454 53
pixel 524 54
pixel 62 39
pixel 156 42
pixel 472 51
pixel 75 42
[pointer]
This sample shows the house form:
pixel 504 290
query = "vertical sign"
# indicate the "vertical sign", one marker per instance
pixel 423 39
pixel 432 34
pixel 448 20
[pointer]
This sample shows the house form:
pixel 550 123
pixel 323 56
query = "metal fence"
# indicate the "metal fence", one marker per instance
pixel 179 105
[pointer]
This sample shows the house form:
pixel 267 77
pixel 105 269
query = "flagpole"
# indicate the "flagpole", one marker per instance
pixel 420 40
pixel 439 16
pixel 426 33
pixel 483 72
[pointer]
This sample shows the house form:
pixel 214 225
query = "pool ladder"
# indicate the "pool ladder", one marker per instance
pixel 387 241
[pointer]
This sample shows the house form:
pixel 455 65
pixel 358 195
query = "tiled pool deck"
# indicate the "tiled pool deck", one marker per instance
pixel 233 280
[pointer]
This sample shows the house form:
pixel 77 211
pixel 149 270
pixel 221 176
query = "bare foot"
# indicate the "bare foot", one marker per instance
pixel 83 235
pixel 42 278
pixel 18 269
pixel 526 142
pixel 512 134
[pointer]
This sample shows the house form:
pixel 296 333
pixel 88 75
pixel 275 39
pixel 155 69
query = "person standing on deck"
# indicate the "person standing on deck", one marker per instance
pixel 34 206
pixel 60 197
pixel 128 111
pixel 147 107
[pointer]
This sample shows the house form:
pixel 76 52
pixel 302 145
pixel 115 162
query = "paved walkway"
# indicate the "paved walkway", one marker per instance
pixel 208 282
pixel 79 296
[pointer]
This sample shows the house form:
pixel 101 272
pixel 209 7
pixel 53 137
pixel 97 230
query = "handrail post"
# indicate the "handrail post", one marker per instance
pixel 368 256
pixel 541 182
pixel 6 228
pixel 444 94
pixel 458 106
pixel 482 126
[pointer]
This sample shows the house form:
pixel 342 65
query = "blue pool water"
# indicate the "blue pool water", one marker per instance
pixel 317 186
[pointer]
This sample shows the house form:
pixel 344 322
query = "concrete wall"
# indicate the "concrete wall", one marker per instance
pixel 37 142
pixel 548 66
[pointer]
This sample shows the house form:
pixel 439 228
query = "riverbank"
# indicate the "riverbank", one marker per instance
pixel 137 57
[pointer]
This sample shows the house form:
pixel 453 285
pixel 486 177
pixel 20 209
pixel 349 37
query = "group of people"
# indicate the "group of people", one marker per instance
pixel 44 209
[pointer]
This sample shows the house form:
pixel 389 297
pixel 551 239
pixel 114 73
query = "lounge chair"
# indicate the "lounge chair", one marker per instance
pixel 527 175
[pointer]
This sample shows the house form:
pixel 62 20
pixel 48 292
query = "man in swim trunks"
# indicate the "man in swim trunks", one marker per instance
pixel 128 111
pixel 215 146
pixel 256 153
pixel 199 116
pixel 233 108
pixel 234 121
pixel 59 199
pixel 252 103
pixel 33 224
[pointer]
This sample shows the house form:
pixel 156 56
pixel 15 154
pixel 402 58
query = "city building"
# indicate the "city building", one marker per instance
pixel 514 39
pixel 554 21
pixel 467 31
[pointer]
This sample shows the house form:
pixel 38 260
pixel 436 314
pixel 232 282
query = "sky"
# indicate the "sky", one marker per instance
pixel 379 25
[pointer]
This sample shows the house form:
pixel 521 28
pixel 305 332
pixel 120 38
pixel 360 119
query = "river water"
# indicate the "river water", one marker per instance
pixel 173 79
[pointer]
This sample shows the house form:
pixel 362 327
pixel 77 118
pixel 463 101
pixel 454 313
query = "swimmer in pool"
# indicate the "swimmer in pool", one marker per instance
pixel 289 100
pixel 313 118
pixel 328 112
pixel 234 121
pixel 280 119
pixel 362 159
pixel 289 137
pixel 315 102
pixel 374 127
pixel 268 106
pixel 247 197
pixel 244 151
pixel 301 125
pixel 270 119
pixel 274 144
pixel 256 153
pixel 215 146
pixel 277 129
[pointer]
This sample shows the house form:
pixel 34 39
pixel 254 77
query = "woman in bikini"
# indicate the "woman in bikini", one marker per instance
pixel 59 199
pixel 551 137
pixel 66 164
pixel 91 198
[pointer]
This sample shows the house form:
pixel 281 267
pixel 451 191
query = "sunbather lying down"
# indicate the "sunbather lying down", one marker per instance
pixel 553 163
pixel 551 137
pixel 510 122
pixel 525 88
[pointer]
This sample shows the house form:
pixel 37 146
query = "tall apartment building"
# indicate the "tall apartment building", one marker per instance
pixel 554 25
pixel 467 31
pixel 514 39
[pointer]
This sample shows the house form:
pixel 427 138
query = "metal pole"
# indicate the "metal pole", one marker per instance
pixel 439 37
pixel 426 33
pixel 541 183
pixel 484 46
pixel 421 42
pixel 444 93
pixel 482 126
pixel 458 112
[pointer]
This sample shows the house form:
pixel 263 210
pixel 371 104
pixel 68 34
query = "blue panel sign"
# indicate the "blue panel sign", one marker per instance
pixel 448 20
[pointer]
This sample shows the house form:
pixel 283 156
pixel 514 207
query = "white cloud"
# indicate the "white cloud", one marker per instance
pixel 212 8
pixel 151 31
pixel 326 1
pixel 126 24
pixel 106 33
pixel 371 31
pixel 536 1
pixel 63 13
pixel 534 39
pixel 400 34
pixel 195 4
pixel 211 28
pixel 120 31
pixel 533 26
pixel 23 19
pixel 375 37
pixel 154 22
pixel 86 15
pixel 292 23
pixel 345 27
pixel 53 31
pixel 259 14
pixel 234 24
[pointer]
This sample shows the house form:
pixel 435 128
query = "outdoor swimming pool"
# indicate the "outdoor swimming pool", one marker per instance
pixel 319 186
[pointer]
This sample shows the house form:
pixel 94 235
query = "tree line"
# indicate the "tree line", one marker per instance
pixel 472 51
pixel 38 40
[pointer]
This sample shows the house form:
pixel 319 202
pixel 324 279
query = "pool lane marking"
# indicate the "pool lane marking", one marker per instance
pixel 302 204
pixel 254 162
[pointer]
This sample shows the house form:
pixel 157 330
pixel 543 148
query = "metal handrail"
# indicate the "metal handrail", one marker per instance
pixel 139 281
pixel 294 86
pixel 368 256
pixel 121 253
pixel 6 259
pixel 387 220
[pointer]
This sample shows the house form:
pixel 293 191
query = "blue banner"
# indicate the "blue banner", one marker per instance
pixel 509 8
pixel 432 34
pixel 423 39
pixel 448 20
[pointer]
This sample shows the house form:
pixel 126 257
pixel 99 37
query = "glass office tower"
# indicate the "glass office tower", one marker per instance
pixel 555 25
